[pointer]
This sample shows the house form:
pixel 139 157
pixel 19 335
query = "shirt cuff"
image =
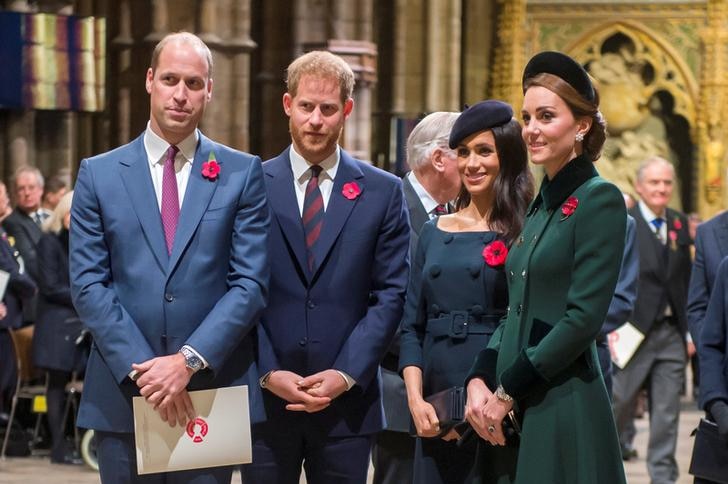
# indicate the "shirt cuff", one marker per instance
pixel 350 382
pixel 133 375
pixel 202 358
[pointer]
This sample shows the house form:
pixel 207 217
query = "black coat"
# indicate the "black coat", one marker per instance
pixel 57 325
pixel 26 234
pixel 20 286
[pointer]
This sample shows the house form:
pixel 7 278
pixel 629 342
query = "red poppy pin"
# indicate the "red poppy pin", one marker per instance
pixel 677 224
pixel 569 207
pixel 495 253
pixel 351 190
pixel 211 168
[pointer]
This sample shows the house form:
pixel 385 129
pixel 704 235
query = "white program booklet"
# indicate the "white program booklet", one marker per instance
pixel 623 342
pixel 219 436
pixel 4 278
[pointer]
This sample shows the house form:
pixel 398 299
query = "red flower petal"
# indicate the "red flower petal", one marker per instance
pixel 495 253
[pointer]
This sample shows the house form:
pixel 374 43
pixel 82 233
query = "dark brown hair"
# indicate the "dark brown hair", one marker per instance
pixel 513 186
pixel 580 107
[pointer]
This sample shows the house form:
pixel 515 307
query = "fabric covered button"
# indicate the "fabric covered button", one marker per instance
pixel 435 270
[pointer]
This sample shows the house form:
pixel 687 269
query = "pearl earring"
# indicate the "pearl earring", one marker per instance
pixel 579 137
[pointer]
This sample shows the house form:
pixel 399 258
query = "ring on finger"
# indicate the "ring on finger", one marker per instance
pixel 491 428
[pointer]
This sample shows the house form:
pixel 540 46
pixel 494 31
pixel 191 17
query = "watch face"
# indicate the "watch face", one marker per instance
pixel 193 363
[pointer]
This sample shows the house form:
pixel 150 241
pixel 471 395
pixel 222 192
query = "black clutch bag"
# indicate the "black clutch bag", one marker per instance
pixel 449 406
pixel 710 453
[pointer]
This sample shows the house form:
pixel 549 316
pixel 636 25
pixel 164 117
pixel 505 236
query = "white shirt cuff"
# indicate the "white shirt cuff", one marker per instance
pixel 350 382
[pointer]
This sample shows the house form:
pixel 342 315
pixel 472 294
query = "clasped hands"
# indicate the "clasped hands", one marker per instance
pixel 306 394
pixel 486 412
pixel 162 381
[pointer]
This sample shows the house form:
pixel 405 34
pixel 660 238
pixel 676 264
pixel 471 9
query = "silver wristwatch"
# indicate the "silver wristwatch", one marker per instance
pixel 192 361
pixel 501 394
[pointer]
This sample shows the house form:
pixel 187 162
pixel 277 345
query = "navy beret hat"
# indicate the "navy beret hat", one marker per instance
pixel 479 117
pixel 563 66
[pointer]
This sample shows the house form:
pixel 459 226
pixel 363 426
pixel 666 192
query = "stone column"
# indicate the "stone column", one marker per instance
pixel 442 55
pixel 510 55
pixel 712 126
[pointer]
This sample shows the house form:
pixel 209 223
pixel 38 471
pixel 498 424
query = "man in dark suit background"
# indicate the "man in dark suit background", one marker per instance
pixel 434 181
pixel 168 264
pixel 339 266
pixel 664 251
pixel 24 226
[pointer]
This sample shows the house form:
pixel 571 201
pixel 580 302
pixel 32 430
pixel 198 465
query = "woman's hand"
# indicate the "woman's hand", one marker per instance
pixel 425 418
pixel 494 412
pixel 478 396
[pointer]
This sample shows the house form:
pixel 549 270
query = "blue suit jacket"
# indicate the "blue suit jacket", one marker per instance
pixel 139 302
pixel 713 342
pixel 625 294
pixel 711 245
pixel 343 315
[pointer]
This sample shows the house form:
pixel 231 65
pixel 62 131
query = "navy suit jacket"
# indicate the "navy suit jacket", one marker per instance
pixel 711 246
pixel 625 294
pixel 139 302
pixel 713 342
pixel 343 315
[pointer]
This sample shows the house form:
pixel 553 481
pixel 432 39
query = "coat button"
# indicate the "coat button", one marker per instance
pixel 168 297
pixel 311 304
pixel 523 274
pixel 303 342
pixel 519 309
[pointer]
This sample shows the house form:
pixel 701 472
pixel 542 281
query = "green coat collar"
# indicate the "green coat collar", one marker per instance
pixel 569 178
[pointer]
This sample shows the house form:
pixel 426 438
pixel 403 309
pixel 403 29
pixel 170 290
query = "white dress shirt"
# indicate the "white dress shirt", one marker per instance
pixel 302 174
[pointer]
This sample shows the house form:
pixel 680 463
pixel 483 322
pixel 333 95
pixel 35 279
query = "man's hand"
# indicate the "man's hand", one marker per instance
pixel 327 383
pixel 478 396
pixel 3 310
pixel 719 411
pixel 161 377
pixel 285 385
pixel 177 409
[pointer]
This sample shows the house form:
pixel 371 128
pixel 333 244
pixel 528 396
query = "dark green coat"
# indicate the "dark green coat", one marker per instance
pixel 561 273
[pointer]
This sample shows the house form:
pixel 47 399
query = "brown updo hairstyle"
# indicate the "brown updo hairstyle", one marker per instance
pixel 513 186
pixel 580 107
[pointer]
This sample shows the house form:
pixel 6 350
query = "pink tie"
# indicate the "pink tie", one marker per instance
pixel 170 198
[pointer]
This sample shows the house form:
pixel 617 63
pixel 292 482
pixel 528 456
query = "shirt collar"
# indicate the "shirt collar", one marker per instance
pixel 300 166
pixel 569 178
pixel 426 199
pixel 156 147
pixel 648 214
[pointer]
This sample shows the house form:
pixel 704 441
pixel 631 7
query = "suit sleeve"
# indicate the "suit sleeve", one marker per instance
pixel 712 344
pixel 52 285
pixel 625 294
pixel 116 335
pixel 414 321
pixel 239 309
pixel 598 242
pixel 368 342
pixel 699 288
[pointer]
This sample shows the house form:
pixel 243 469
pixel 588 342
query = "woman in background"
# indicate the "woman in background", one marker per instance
pixel 57 326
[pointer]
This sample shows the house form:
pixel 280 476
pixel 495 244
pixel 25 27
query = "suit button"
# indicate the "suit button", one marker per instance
pixel 168 297
pixel 311 304
pixel 303 342
pixel 519 309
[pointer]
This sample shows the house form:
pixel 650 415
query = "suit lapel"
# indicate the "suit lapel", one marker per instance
pixel 285 206
pixel 418 215
pixel 138 183
pixel 721 235
pixel 339 207
pixel 197 198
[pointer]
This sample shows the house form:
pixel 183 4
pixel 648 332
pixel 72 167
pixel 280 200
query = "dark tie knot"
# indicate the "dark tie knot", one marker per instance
pixel 315 171
pixel 657 222
pixel 440 210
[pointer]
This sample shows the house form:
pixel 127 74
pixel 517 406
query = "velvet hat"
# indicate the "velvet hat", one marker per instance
pixel 479 117
pixel 563 66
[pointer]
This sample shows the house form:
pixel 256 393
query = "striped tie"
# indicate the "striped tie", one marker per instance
pixel 170 198
pixel 313 213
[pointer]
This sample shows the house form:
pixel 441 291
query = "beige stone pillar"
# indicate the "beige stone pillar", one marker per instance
pixel 442 55
pixel 510 55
